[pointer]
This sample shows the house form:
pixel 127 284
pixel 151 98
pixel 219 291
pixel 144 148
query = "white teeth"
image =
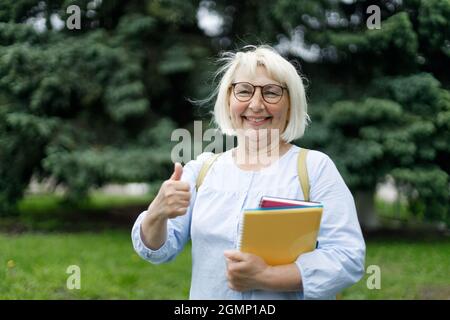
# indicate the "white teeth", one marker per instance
pixel 256 119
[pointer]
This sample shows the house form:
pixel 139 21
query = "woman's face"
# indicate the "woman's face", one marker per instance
pixel 257 113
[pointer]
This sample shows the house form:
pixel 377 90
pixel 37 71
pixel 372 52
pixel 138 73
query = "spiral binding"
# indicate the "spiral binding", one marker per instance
pixel 241 232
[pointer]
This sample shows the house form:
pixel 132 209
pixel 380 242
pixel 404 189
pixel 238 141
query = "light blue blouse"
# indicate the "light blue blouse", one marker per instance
pixel 213 218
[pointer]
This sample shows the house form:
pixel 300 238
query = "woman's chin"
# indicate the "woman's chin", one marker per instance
pixel 261 129
pixel 261 133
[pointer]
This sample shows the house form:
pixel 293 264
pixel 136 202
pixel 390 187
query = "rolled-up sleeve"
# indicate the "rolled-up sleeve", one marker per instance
pixel 338 262
pixel 178 229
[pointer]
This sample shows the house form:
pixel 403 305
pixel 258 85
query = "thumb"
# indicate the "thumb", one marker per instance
pixel 177 172
pixel 233 255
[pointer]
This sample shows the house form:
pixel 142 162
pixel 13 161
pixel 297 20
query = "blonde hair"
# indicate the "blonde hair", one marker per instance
pixel 279 69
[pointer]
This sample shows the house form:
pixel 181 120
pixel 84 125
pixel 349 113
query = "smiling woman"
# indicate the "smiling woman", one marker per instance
pixel 284 98
pixel 256 114
pixel 258 103
pixel 260 92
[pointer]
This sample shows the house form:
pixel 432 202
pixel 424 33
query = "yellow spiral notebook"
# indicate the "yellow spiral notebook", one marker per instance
pixel 280 235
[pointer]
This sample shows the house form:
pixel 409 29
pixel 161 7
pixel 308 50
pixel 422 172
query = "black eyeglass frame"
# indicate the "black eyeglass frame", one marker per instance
pixel 262 91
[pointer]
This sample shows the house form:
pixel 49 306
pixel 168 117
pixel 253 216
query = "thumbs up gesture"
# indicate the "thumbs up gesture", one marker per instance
pixel 173 196
pixel 177 172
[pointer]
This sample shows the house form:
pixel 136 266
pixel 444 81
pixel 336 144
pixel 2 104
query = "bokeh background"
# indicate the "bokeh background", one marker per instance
pixel 86 117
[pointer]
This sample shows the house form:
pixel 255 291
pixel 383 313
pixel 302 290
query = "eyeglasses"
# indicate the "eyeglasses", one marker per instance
pixel 271 93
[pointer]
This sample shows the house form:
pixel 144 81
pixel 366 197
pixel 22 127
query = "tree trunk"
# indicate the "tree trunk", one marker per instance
pixel 365 206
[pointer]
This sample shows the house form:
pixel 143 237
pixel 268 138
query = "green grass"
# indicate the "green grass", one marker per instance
pixel 109 268
pixel 33 266
pixel 409 270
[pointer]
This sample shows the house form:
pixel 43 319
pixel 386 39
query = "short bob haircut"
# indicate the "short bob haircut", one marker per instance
pixel 279 69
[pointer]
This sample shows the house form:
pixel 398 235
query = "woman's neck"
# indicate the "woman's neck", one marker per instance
pixel 249 154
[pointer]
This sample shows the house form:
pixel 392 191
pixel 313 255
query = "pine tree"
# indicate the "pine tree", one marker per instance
pixel 378 98
pixel 97 104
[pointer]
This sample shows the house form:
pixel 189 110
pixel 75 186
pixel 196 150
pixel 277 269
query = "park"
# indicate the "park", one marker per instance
pixel 86 112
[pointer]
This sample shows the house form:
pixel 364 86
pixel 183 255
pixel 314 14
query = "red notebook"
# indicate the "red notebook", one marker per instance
pixel 271 202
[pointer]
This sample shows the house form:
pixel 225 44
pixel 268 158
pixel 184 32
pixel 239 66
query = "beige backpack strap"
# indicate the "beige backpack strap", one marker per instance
pixel 303 172
pixel 205 167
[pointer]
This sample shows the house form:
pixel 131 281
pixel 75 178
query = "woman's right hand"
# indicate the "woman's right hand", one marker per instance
pixel 173 196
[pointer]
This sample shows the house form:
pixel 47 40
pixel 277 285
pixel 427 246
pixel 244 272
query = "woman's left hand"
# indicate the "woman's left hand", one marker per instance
pixel 245 271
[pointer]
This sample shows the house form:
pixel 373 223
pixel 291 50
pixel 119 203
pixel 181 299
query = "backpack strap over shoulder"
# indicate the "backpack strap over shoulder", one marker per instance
pixel 204 169
pixel 303 172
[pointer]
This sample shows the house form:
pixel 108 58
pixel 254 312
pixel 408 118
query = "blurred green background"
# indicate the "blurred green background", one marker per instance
pixel 86 118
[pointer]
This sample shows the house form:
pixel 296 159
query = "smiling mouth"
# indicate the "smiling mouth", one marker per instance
pixel 257 120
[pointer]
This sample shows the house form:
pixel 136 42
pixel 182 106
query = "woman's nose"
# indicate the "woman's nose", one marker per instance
pixel 257 101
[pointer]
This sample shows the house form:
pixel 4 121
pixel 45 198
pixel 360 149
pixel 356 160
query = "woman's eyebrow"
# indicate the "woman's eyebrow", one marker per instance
pixel 260 85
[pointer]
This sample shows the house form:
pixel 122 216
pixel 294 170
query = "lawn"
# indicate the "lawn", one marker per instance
pixel 409 270
pixel 33 266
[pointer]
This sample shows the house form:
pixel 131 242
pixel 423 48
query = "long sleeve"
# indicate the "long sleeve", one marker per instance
pixel 178 229
pixel 338 262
